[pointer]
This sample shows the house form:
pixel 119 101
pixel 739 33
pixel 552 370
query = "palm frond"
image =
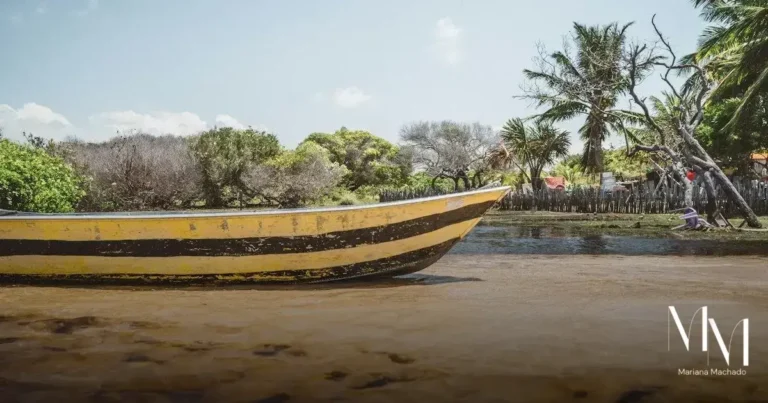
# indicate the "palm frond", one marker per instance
pixel 754 89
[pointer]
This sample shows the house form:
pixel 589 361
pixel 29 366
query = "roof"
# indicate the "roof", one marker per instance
pixel 759 156
pixel 553 182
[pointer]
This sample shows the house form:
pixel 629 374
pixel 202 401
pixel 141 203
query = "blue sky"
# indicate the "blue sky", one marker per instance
pixel 91 67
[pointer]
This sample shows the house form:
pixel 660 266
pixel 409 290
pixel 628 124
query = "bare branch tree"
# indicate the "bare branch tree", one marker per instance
pixel 641 60
pixel 451 150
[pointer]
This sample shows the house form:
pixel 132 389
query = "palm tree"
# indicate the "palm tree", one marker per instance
pixel 532 147
pixel 735 50
pixel 587 83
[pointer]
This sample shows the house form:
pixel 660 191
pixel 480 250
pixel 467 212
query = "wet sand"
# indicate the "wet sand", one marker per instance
pixel 474 328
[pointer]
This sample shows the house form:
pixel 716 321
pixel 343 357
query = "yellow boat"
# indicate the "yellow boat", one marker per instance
pixel 288 246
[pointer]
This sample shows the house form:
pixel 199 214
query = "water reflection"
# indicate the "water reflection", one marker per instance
pixel 593 245
pixel 564 241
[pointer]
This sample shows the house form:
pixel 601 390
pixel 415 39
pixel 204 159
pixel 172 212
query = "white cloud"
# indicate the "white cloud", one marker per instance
pixel 229 121
pixel 350 97
pixel 42 8
pixel 447 40
pixel 157 123
pixel 44 122
pixel 33 118
pixel 44 114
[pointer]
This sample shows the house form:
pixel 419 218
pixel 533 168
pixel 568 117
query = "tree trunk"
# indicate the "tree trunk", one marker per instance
pixel 536 182
pixel 465 179
pixel 680 170
pixel 709 187
pixel 749 216
pixel 435 179
pixel 212 195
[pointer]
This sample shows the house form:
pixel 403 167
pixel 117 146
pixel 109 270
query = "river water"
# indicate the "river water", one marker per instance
pixel 511 314
pixel 564 241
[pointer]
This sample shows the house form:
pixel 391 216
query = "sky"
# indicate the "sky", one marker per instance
pixel 91 68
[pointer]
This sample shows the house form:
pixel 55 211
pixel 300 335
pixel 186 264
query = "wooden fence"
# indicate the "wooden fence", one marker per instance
pixel 641 199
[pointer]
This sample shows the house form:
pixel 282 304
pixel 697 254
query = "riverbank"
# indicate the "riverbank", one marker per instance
pixel 643 225
pixel 474 328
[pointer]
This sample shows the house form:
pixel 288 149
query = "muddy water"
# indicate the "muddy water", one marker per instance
pixel 570 241
pixel 487 327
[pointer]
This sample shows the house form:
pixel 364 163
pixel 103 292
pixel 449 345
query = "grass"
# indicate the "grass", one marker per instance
pixel 648 225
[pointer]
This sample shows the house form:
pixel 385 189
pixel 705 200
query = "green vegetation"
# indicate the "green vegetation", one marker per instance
pixel 535 147
pixel 32 180
pixel 370 160
pixel 624 167
pixel 296 177
pixel 585 83
pixel 225 155
pixel 735 51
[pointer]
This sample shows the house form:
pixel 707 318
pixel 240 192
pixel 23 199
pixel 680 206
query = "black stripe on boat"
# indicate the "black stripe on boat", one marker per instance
pixel 244 246
pixel 404 263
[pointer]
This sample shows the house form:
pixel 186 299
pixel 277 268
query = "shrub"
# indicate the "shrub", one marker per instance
pixel 32 180
pixel 137 172
pixel 370 160
pixel 295 178
pixel 224 155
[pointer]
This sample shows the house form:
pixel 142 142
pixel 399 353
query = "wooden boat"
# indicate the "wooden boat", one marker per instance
pixel 301 245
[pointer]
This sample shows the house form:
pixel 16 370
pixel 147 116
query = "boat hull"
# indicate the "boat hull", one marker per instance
pixel 288 246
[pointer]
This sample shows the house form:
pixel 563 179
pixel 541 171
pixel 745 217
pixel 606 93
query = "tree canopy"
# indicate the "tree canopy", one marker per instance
pixel 370 160
pixel 452 150
pixel 225 154
pixel 32 180
pixel 584 79
pixel 735 51
pixel 534 147
pixel 295 177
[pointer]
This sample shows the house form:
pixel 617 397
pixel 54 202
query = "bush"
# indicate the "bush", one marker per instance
pixel 295 178
pixel 224 155
pixel 32 180
pixel 370 160
pixel 137 172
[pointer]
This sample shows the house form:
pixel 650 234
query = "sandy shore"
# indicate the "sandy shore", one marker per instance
pixel 472 328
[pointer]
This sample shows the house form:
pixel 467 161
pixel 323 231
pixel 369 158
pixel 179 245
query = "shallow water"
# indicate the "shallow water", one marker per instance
pixel 564 241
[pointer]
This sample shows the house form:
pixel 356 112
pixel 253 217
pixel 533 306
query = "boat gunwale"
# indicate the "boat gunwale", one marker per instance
pixel 184 214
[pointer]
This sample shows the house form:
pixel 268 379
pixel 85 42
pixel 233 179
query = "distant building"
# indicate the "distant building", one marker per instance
pixel 760 164
pixel 555 182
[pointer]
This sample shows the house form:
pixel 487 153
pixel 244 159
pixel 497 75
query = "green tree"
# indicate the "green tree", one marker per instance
pixel 295 178
pixel 625 167
pixel 733 148
pixel 370 160
pixel 735 50
pixel 534 147
pixel 32 180
pixel 571 169
pixel 224 155
pixel 588 83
